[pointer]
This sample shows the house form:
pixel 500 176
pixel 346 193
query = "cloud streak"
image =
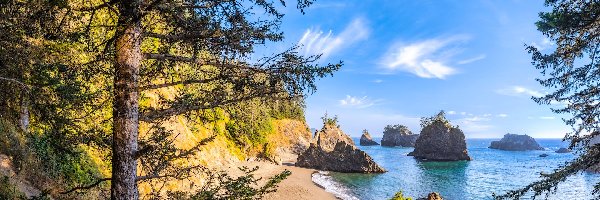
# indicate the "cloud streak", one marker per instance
pixel 470 60
pixel 519 91
pixel 315 41
pixel 357 102
pixel 426 59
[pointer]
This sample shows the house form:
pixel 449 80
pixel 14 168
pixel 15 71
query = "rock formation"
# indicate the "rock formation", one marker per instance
pixel 514 142
pixel 563 150
pixel 439 141
pixel 398 135
pixel 543 155
pixel 335 151
pixel 344 158
pixel 432 196
pixel 366 140
pixel 330 135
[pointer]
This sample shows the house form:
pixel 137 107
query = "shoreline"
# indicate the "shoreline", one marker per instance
pixel 298 186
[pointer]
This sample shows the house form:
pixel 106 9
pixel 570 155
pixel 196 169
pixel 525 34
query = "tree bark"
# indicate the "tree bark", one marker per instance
pixel 24 112
pixel 125 106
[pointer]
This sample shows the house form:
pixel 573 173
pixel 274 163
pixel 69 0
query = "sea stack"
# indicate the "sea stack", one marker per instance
pixel 330 135
pixel 335 151
pixel 440 141
pixel 366 140
pixel 398 135
pixel 514 142
pixel 563 150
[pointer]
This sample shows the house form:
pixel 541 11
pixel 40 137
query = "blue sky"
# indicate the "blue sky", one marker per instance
pixel 409 59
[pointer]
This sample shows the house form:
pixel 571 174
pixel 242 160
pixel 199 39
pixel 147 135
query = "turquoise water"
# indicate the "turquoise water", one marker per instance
pixel 490 171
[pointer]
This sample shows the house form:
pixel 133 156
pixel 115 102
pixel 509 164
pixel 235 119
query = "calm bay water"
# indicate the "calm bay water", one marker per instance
pixel 490 171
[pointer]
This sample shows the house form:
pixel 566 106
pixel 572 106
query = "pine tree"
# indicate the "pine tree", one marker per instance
pixel 572 71
pixel 108 55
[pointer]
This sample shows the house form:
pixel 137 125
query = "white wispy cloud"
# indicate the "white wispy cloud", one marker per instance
pixel 315 41
pixel 470 60
pixel 426 59
pixel 519 91
pixel 547 117
pixel 502 115
pixel 377 81
pixel 452 112
pixel 357 102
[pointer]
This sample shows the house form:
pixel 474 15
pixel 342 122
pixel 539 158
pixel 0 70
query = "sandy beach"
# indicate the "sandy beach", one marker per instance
pixel 297 186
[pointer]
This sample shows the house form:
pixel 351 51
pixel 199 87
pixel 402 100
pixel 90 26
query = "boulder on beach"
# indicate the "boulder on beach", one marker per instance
pixel 333 150
pixel 563 150
pixel 343 158
pixel 514 142
pixel 366 140
pixel 440 141
pixel 398 135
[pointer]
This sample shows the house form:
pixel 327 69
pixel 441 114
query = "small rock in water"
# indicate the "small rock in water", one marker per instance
pixel 544 155
pixel 563 150
pixel 366 140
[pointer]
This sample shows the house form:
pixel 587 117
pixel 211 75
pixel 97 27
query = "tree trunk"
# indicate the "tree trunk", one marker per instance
pixel 125 106
pixel 24 113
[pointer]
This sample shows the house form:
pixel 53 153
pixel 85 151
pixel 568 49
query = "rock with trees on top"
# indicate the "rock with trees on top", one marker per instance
pixel 398 135
pixel 440 141
pixel 366 139
pixel 342 157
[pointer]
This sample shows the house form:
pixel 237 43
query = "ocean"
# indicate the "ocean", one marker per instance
pixel 490 171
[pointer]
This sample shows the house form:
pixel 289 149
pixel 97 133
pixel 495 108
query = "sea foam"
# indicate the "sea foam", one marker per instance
pixel 324 180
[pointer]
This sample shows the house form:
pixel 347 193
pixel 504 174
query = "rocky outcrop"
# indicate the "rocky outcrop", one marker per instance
pixel 343 158
pixel 563 150
pixel 366 140
pixel 400 140
pixel 398 135
pixel 543 155
pixel 335 151
pixel 514 142
pixel 441 142
pixel 432 196
pixel 330 135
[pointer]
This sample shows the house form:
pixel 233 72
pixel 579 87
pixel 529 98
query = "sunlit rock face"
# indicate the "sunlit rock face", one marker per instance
pixel 333 150
pixel 343 158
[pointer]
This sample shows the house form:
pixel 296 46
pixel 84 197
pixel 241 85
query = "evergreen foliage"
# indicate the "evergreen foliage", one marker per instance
pixel 91 73
pixel 440 117
pixel 394 129
pixel 572 72
pixel 400 196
